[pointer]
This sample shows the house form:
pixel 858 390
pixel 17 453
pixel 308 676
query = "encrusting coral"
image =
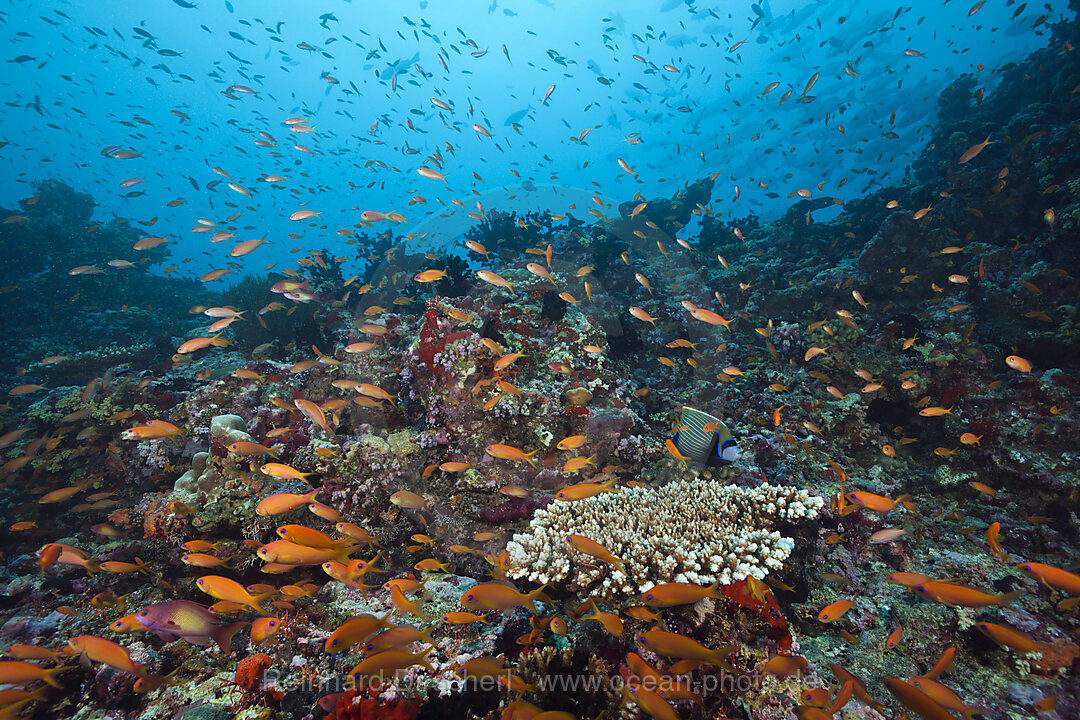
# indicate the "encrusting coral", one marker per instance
pixel 686 531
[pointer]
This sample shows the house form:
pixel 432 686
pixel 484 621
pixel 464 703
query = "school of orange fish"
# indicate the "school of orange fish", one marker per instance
pixel 700 343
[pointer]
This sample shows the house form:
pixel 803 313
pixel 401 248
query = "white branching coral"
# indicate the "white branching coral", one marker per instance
pixel 695 531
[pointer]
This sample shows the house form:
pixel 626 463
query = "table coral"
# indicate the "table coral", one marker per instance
pixel 696 532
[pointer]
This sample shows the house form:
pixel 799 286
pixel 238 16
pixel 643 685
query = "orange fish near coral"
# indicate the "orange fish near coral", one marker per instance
pixel 585 490
pixel 490 277
pixel 1053 576
pixel 677 593
pixel 314 413
pixel 961 595
pixel 835 610
pixel 283 472
pixel 679 646
pixel 509 452
pixel 279 503
pixel 642 315
pixel 596 550
pixel 876 503
pixel 496 596
pixel 223 588
pixel 429 276
pixel 14 672
pixel 98 649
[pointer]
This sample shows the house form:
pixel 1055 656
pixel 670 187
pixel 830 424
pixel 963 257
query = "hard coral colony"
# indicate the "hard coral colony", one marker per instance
pixel 428 462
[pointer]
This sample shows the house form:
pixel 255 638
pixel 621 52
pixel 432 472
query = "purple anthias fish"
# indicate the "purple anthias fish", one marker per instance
pixel 187 620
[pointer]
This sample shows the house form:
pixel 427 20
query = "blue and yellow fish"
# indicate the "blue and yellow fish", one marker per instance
pixel 704 440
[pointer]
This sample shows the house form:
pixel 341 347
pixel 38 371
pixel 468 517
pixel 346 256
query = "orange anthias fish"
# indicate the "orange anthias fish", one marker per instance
pixel 677 593
pixel 98 649
pixel 509 452
pixel 835 610
pixel 14 672
pixel 572 442
pixel 916 700
pixel 496 596
pixel 961 595
pixel 876 503
pixel 283 472
pixel 154 430
pixel 674 645
pixel 354 631
pixel 1053 576
pixel 279 503
pixel 429 276
pixel 642 315
pixel 223 588
pixel 314 413
pixel 490 277
pixel 286 552
pixel 596 550
pixel 585 490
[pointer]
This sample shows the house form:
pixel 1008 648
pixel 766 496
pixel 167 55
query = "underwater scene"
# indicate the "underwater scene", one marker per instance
pixel 540 360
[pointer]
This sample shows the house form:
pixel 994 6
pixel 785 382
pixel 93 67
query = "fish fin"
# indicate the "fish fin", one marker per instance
pixel 256 602
pixel 223 635
pixel 422 662
pixel 50 678
pixel 1010 597
pixel 529 457
pixel 530 598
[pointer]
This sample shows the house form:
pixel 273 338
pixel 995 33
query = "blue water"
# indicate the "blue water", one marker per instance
pixel 363 75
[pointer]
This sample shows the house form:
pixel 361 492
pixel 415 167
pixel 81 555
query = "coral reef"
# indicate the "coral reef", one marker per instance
pixel 453 470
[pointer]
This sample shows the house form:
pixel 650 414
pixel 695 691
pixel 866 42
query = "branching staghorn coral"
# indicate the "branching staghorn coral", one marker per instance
pixel 686 531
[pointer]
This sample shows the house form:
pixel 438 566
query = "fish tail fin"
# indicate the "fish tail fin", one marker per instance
pixel 141 566
pixel 223 635
pixel 714 590
pixel 1009 597
pixel 422 662
pixel 257 601
pixel 529 457
pixel 418 611
pixel 50 676
pixel 718 656
pixel 530 599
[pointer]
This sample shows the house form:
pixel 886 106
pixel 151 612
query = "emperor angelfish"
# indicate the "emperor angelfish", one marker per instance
pixel 704 440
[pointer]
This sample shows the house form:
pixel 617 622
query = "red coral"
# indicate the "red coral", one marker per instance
pixel 432 342
pixel 366 705
pixel 740 594
pixel 429 338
